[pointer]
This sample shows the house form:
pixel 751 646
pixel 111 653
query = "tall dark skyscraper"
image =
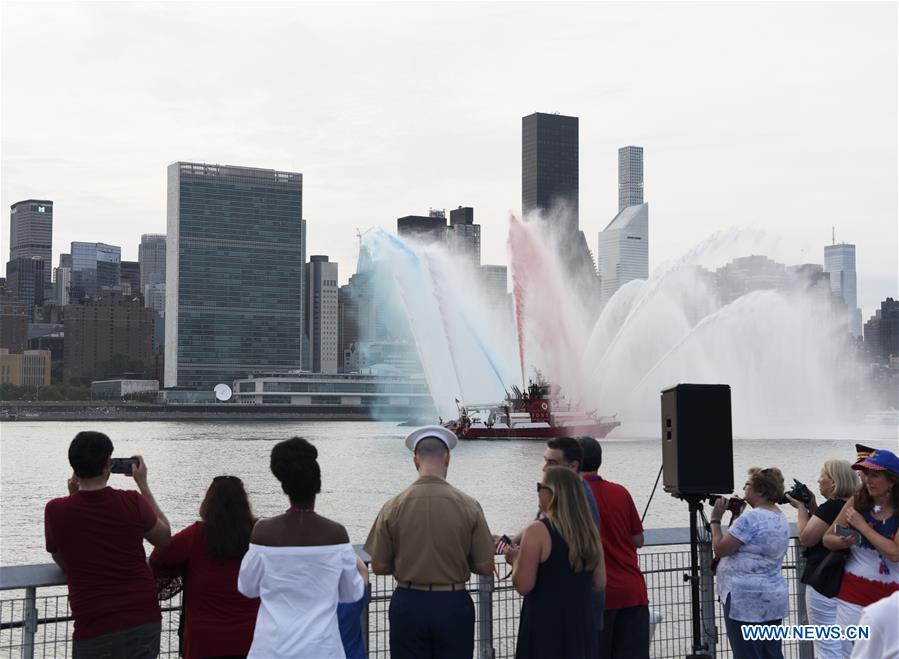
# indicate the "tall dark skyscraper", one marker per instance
pixel 25 277
pixel 236 246
pixel 549 165
pixel 31 232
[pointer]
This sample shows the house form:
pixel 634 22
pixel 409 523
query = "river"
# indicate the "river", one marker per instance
pixel 363 464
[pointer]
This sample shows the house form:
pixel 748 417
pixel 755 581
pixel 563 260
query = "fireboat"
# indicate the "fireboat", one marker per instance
pixel 539 413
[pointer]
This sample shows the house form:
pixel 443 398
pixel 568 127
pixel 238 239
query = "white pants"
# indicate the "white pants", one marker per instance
pixel 822 611
pixel 847 614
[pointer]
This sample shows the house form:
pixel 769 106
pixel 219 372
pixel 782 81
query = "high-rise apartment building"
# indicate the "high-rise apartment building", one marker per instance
pixel 549 167
pixel 106 326
pixel 31 232
pixel 630 176
pixel 839 262
pixel 151 256
pixel 882 332
pixel 62 285
pixel 463 236
pixel 322 314
pixel 235 255
pixel 25 279
pixel 622 253
pixel 95 267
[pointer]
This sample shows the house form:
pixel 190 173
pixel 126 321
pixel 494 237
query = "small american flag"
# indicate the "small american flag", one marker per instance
pixel 502 543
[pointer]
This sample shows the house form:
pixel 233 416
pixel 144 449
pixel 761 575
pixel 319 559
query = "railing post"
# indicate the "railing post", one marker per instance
pixel 806 648
pixel 485 617
pixel 707 602
pixel 29 629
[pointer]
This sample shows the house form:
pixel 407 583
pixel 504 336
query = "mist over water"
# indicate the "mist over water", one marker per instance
pixel 783 352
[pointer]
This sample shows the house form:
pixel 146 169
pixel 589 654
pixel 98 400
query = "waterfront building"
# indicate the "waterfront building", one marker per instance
pixel 122 388
pixel 321 314
pixel 62 284
pixel 31 232
pixel 424 229
pixel 383 358
pixel 14 315
pixel 881 333
pixel 235 257
pixel 839 262
pixel 151 257
pixel 463 236
pixel 549 167
pixel 25 279
pixel 108 327
pixel 95 267
pixel 630 176
pixel 30 368
pixel 622 252
pixel 130 278
pixel 379 396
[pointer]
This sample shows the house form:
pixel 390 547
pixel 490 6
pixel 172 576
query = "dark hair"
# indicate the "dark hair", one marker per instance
pixel 89 452
pixel 864 502
pixel 769 483
pixel 294 464
pixel 431 447
pixel 570 448
pixel 228 520
pixel 592 453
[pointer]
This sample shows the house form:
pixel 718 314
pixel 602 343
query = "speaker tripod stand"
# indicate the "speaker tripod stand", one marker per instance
pixel 700 649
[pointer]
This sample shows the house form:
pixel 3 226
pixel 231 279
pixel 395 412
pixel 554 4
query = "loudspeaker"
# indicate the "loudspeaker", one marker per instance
pixel 697 439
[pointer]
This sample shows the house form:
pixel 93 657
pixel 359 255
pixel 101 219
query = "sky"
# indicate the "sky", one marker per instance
pixel 775 116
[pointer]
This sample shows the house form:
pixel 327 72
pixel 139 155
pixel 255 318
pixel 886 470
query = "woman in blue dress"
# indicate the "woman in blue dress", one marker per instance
pixel 749 579
pixel 557 567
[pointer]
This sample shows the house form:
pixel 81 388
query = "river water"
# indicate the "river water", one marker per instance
pixel 363 464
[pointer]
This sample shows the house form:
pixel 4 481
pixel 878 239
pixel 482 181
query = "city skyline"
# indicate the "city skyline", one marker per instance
pixel 793 139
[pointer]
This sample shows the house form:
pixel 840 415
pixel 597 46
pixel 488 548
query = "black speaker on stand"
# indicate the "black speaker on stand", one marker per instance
pixel 697 460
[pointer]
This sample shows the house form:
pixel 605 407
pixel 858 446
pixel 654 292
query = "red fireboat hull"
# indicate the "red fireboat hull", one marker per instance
pixel 597 430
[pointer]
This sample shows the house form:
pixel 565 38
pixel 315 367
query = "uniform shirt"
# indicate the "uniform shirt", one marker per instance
pixel 431 533
pixel 98 536
pixel 625 585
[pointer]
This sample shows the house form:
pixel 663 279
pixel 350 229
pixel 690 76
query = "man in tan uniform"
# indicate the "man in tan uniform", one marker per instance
pixel 431 537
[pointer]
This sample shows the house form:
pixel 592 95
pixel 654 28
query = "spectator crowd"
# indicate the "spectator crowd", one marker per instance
pixel 292 586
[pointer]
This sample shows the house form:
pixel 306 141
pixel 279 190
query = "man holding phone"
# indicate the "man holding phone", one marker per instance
pixel 96 536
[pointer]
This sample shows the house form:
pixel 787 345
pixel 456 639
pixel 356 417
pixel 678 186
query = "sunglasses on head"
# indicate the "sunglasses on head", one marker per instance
pixel 541 486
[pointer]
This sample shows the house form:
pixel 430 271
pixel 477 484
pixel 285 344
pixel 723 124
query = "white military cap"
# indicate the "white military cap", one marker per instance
pixel 445 435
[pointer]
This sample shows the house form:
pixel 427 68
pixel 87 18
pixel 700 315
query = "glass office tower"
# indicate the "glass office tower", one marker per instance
pixel 235 252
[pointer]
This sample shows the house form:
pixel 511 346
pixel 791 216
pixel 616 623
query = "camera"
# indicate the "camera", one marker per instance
pixel 734 504
pixel 123 465
pixel 799 491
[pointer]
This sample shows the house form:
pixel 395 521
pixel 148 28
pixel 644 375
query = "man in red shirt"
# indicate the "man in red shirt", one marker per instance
pixel 96 535
pixel 626 630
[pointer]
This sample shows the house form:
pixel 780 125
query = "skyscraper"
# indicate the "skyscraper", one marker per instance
pixel 622 253
pixel 234 273
pixel 630 176
pixel 549 167
pixel 839 261
pixel 25 279
pixel 463 236
pixel 130 276
pixel 321 314
pixel 95 266
pixel 426 229
pixel 151 256
pixel 31 232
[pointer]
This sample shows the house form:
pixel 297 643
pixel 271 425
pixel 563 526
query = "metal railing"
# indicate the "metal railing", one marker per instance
pixel 33 625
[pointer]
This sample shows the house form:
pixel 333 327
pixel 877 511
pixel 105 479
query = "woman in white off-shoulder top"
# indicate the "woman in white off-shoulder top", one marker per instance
pixel 300 565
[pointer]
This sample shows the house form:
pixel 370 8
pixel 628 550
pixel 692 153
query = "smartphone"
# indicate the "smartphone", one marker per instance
pixel 123 465
pixel 848 533
pixel 502 543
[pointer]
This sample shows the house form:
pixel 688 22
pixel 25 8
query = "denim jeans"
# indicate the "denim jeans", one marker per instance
pixel 141 642
pixel 749 649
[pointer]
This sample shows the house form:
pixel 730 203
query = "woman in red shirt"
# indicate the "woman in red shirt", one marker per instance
pixel 218 620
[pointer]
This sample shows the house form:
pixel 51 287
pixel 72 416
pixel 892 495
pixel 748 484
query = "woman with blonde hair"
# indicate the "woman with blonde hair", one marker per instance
pixel 749 580
pixel 836 483
pixel 557 566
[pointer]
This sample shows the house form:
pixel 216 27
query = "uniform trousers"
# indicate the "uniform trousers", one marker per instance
pixel 431 624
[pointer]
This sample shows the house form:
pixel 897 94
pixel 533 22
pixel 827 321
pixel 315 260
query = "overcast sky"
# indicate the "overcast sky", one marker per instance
pixel 770 115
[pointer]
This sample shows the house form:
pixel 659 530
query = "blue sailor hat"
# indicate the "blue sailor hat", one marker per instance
pixel 445 435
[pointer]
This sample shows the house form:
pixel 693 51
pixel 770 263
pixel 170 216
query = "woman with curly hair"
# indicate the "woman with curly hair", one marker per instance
pixel 300 564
